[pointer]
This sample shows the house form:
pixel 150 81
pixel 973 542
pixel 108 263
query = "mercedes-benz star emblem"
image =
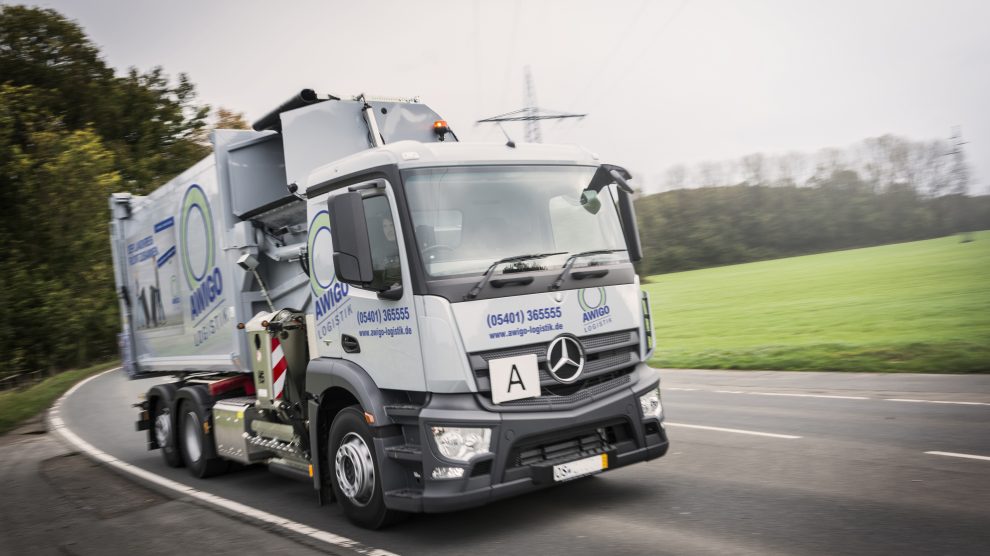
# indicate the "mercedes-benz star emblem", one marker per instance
pixel 565 359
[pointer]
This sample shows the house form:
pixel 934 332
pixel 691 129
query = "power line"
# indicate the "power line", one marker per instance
pixel 623 37
pixel 512 55
pixel 478 89
pixel 633 59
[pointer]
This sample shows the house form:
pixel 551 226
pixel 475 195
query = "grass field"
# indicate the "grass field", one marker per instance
pixel 18 405
pixel 910 307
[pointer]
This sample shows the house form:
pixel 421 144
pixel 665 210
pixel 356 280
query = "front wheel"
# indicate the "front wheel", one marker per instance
pixel 356 479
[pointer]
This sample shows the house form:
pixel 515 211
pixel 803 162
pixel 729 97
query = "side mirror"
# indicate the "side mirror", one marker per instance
pixel 590 201
pixel 351 246
pixel 609 174
pixel 627 215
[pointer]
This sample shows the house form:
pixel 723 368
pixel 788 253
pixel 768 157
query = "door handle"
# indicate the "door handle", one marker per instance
pixel 350 343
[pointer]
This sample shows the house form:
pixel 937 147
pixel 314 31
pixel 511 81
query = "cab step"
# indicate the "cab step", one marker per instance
pixel 404 414
pixel 405 452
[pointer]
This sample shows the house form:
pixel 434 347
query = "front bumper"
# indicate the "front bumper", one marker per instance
pixel 526 445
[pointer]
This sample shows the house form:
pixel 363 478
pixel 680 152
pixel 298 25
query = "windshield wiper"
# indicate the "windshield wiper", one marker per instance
pixel 515 259
pixel 573 258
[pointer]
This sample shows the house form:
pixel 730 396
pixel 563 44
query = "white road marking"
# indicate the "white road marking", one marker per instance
pixel 737 431
pixel 933 401
pixel 58 425
pixel 809 395
pixel 955 455
pixel 828 396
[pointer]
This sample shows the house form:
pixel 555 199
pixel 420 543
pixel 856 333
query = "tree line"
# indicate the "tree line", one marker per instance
pixel 933 167
pixel 898 191
pixel 72 131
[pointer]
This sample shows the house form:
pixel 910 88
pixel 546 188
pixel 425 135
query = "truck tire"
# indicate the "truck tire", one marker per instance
pixel 193 441
pixel 164 430
pixel 355 478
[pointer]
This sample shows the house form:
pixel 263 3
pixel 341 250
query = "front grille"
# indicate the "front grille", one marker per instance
pixel 589 343
pixel 602 340
pixel 609 358
pixel 534 349
pixel 575 448
pixel 570 446
pixel 585 392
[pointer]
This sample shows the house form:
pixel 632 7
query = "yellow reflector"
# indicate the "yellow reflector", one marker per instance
pixel 604 461
pixel 311 471
pixel 369 418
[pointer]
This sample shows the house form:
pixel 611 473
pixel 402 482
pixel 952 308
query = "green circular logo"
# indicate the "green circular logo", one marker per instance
pixel 320 253
pixel 584 298
pixel 196 235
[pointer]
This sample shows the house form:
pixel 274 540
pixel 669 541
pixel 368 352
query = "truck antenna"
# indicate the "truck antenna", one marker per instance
pixel 508 140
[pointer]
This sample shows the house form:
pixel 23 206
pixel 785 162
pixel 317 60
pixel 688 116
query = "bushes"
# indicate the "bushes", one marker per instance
pixel 696 228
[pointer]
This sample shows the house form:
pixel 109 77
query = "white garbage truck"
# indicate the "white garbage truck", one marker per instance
pixel 354 298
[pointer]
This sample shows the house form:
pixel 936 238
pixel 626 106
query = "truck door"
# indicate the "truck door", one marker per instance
pixel 377 333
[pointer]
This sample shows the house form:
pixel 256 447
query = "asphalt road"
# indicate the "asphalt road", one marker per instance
pixel 60 503
pixel 760 463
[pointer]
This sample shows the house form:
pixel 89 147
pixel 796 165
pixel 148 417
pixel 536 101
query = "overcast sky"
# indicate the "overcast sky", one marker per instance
pixel 663 81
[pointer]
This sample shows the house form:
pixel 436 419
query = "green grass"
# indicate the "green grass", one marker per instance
pixel 910 307
pixel 19 405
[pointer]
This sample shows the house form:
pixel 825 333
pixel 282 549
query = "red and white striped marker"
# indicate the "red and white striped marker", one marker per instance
pixel 278 369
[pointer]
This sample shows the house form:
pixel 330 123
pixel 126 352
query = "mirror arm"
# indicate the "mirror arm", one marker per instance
pixel 393 294
pixel 610 173
pixel 621 181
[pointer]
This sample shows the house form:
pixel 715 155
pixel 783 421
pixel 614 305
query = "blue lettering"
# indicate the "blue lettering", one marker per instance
pixel 596 313
pixel 330 299
pixel 206 293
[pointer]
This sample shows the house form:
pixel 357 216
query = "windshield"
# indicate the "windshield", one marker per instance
pixel 466 218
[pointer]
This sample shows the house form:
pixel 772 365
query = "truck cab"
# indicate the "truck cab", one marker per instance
pixel 425 325
pixel 496 284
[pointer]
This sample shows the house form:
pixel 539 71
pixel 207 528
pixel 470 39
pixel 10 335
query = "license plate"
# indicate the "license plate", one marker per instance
pixel 580 468
pixel 514 378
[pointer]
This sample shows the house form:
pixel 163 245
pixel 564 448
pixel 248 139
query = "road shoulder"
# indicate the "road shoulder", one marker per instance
pixel 57 501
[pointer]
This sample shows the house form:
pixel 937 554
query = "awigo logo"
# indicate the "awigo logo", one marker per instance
pixel 595 310
pixel 199 252
pixel 328 293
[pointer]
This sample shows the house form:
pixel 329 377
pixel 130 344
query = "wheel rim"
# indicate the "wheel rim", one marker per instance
pixel 355 469
pixel 190 434
pixel 163 429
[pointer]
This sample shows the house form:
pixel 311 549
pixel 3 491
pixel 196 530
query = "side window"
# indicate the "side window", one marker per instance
pixel 387 271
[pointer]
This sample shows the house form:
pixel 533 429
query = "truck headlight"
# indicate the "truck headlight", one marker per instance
pixel 650 404
pixel 462 443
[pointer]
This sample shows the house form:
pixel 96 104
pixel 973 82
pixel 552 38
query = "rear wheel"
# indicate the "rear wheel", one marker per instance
pixel 356 479
pixel 165 435
pixel 193 422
